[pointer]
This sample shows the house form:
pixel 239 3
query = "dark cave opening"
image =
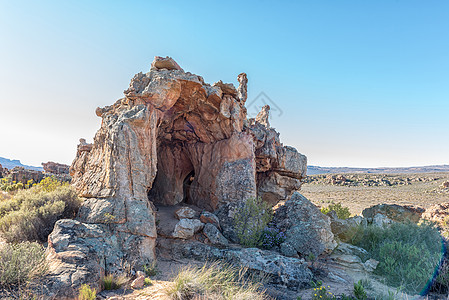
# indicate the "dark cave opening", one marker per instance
pixel 186 186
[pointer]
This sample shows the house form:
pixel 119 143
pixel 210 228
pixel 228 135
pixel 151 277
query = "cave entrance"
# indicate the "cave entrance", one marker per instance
pixel 187 184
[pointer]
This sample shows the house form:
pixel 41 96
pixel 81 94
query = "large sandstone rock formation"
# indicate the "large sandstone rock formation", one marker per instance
pixel 173 138
pixel 20 174
pixel 55 168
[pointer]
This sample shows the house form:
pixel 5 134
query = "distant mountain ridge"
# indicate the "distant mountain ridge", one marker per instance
pixel 11 163
pixel 312 170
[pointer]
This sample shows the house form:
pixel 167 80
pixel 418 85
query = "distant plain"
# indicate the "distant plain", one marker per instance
pixel 360 191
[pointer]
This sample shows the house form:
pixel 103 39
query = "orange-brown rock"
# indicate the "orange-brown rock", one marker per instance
pixel 20 174
pixel 437 213
pixel 173 138
pixel 56 168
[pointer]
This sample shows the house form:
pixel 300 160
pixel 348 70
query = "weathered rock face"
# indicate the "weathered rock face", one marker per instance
pixel 278 269
pixel 174 138
pixel 307 230
pixel 20 174
pixel 55 168
pixel 437 213
pixel 1 171
pixel 394 212
pixel 345 229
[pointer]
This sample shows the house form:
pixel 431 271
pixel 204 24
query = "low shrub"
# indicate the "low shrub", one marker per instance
pixel 147 282
pixel 87 293
pixel 250 220
pixel 342 211
pixel 214 281
pixel 272 237
pixel 321 293
pixel 408 254
pixel 21 263
pixel 359 291
pixel 31 214
pixel 150 269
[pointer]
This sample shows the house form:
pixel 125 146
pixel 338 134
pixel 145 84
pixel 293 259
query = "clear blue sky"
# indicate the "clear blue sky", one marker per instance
pixel 360 83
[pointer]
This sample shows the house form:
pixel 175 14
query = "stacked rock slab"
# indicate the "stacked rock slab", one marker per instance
pixel 173 138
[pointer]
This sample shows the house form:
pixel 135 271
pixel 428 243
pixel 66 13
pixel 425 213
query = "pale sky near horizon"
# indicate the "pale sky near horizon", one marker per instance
pixel 358 83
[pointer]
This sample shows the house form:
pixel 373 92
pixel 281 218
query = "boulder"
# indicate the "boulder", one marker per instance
pixel 370 265
pixel 165 63
pixel 138 283
pixel 348 249
pixel 208 217
pixel 185 213
pixel 214 235
pixel 353 257
pixel 395 212
pixel 381 220
pixel 445 185
pixel 307 230
pixel 345 229
pixel 277 269
pixel 186 228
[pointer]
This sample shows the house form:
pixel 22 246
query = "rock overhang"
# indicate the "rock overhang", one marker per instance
pixel 171 125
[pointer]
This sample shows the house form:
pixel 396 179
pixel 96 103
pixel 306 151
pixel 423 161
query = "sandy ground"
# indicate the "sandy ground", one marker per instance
pixel 357 198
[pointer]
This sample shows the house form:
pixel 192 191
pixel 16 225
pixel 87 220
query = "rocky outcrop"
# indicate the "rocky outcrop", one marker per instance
pixel 173 138
pixel 277 269
pixel 345 229
pixel 20 174
pixel 438 213
pixel 307 230
pixel 394 212
pixel 1 171
pixel 55 168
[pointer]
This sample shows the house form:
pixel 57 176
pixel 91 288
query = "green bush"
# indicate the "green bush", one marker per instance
pixel 147 282
pixel 407 253
pixel 321 293
pixel 20 263
pixel 31 214
pixel 86 293
pixel 50 184
pixel 250 220
pixel 150 269
pixel 359 291
pixel 342 212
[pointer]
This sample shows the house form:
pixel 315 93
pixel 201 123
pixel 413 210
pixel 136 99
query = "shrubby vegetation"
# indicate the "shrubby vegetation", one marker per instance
pixel 10 186
pixel 408 254
pixel 250 221
pixel 114 282
pixel 215 281
pixel 20 263
pixel 342 211
pixel 87 293
pixel 31 214
pixel 272 237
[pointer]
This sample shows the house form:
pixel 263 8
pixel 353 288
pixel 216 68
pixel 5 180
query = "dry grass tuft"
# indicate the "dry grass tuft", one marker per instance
pixel 215 281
